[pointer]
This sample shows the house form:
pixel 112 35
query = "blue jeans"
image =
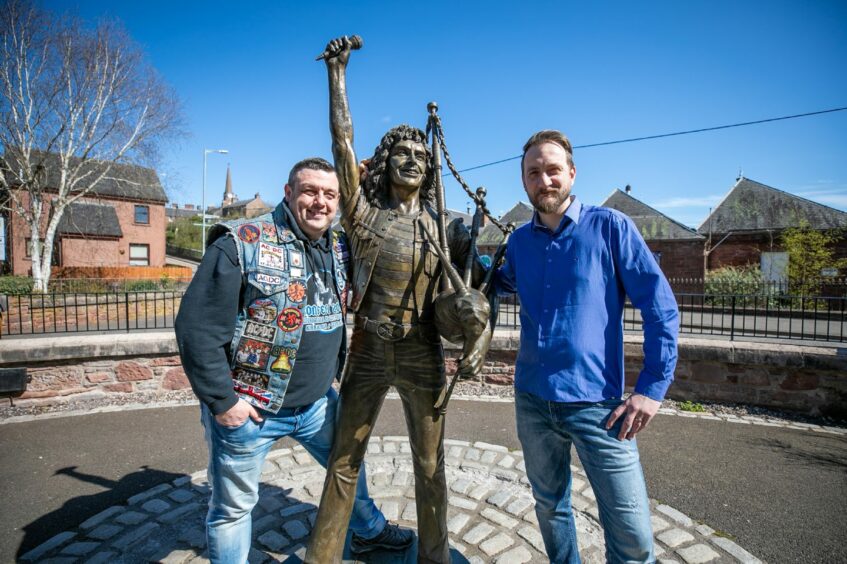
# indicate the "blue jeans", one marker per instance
pixel 236 456
pixel 547 430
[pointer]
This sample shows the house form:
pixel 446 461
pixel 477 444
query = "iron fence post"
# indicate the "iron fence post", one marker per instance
pixel 126 310
pixel 732 320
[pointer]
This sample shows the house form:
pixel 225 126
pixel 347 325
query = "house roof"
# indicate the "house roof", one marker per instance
pixel 181 212
pixel 491 234
pixel 123 181
pixel 753 206
pixel 90 220
pixel 243 203
pixel 651 223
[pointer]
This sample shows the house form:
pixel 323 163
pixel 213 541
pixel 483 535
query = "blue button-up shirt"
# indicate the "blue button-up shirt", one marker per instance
pixel 572 283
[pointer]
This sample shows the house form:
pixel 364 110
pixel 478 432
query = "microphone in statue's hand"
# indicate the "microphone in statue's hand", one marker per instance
pixel 355 43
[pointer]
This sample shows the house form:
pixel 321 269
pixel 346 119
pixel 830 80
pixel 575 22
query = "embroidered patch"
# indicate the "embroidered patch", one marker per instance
pixel 290 319
pixel 268 279
pixel 271 256
pixel 260 331
pixel 296 259
pixel 296 272
pixel 248 233
pixel 287 235
pixel 251 387
pixel 247 378
pixel 269 233
pixel 262 310
pixel 252 354
pixel 285 355
pixel 296 291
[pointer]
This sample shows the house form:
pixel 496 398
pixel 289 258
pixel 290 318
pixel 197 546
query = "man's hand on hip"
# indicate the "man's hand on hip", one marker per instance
pixel 638 410
pixel 236 415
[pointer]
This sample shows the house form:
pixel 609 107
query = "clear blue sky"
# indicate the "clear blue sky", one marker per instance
pixel 599 71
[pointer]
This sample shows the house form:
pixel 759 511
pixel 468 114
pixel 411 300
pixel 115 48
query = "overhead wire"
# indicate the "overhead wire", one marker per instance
pixel 674 134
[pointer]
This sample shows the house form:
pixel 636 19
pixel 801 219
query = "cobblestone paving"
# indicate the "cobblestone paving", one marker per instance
pixel 490 515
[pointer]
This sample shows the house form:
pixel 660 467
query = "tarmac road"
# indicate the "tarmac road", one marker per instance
pixel 779 493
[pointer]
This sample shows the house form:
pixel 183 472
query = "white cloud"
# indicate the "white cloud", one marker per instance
pixel 385 119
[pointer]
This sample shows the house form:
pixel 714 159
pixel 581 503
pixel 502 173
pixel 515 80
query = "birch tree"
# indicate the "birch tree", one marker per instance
pixel 74 102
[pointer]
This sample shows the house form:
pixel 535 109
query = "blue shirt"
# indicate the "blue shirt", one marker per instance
pixel 572 284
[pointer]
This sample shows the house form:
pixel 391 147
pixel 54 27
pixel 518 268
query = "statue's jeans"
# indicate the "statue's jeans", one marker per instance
pixel 415 367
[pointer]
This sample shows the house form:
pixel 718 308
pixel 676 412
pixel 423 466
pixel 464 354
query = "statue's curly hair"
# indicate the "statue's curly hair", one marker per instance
pixel 376 184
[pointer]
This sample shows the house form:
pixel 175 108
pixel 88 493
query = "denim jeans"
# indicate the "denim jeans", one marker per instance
pixel 236 456
pixel 547 430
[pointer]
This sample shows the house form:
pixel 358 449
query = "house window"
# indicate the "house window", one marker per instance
pixel 142 214
pixel 139 255
pixel 28 248
pixel 774 267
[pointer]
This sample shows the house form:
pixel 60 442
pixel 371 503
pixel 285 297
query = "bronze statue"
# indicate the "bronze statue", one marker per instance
pixel 396 342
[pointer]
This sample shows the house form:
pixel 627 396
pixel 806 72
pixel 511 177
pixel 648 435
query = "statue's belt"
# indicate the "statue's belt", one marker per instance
pixel 388 331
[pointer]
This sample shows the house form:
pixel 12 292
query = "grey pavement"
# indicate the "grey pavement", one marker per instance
pixel 721 491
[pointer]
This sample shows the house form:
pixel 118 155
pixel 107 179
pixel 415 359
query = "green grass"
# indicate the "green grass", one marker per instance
pixel 692 406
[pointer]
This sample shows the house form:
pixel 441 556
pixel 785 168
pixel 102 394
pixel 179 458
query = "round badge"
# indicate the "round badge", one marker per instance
pixel 248 233
pixel 262 310
pixel 290 319
pixel 296 291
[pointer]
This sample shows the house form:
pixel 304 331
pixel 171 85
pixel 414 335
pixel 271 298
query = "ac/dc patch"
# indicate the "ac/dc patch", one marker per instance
pixel 296 291
pixel 290 319
pixel 259 331
pixel 252 354
pixel 270 279
pixel 248 233
pixel 269 233
pixel 262 310
pixel 284 357
pixel 271 256
pixel 296 259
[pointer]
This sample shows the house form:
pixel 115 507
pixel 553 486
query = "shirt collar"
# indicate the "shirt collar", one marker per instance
pixel 572 213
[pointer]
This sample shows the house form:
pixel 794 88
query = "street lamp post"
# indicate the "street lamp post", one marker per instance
pixel 203 204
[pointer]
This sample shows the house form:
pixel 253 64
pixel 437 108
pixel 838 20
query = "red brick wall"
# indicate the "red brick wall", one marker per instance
pixel 680 259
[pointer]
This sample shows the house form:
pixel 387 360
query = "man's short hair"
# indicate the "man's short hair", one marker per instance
pixel 549 136
pixel 312 163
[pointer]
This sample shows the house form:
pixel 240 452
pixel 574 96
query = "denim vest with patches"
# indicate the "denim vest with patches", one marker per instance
pixel 269 325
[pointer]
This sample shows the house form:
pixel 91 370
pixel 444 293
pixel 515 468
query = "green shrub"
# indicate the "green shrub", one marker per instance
pixel 734 280
pixel 142 285
pixel 692 406
pixel 15 285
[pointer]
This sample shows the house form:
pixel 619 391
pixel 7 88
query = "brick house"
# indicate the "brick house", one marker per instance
pixel 746 227
pixel 490 237
pixel 121 222
pixel 678 249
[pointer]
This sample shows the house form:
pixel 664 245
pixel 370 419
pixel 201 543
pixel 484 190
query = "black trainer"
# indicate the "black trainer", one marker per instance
pixel 392 537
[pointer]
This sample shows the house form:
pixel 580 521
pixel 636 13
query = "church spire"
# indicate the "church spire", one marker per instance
pixel 229 196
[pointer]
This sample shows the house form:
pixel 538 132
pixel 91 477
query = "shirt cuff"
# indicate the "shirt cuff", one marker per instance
pixel 651 386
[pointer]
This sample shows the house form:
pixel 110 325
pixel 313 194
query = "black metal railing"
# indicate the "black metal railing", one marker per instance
pixel 738 316
pixel 730 315
pixel 38 314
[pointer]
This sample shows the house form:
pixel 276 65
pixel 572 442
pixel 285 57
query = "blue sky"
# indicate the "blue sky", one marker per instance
pixel 599 71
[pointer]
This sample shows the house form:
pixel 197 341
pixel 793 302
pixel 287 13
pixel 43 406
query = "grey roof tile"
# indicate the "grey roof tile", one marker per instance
pixel 651 223
pixel 91 220
pixel 753 206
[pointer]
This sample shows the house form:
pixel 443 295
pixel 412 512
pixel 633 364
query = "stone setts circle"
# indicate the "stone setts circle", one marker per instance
pixel 491 517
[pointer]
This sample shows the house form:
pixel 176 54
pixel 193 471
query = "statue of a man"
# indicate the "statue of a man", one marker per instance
pixel 395 342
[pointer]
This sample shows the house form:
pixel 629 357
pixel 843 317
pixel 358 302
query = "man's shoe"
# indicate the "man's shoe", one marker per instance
pixel 392 537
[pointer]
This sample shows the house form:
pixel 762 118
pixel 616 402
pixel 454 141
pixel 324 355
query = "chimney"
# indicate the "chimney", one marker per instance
pixel 189 206
pixel 628 189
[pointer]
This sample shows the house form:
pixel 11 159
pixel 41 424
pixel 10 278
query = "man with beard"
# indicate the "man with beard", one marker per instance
pixel 395 340
pixel 572 266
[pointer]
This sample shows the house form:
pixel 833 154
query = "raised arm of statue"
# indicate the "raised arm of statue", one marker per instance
pixel 336 55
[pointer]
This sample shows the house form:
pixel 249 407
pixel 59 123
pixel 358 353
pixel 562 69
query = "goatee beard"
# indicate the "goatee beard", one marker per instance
pixel 549 203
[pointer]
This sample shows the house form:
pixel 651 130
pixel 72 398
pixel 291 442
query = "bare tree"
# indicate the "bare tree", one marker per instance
pixel 75 103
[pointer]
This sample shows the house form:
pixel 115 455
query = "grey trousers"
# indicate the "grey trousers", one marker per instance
pixel 415 367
